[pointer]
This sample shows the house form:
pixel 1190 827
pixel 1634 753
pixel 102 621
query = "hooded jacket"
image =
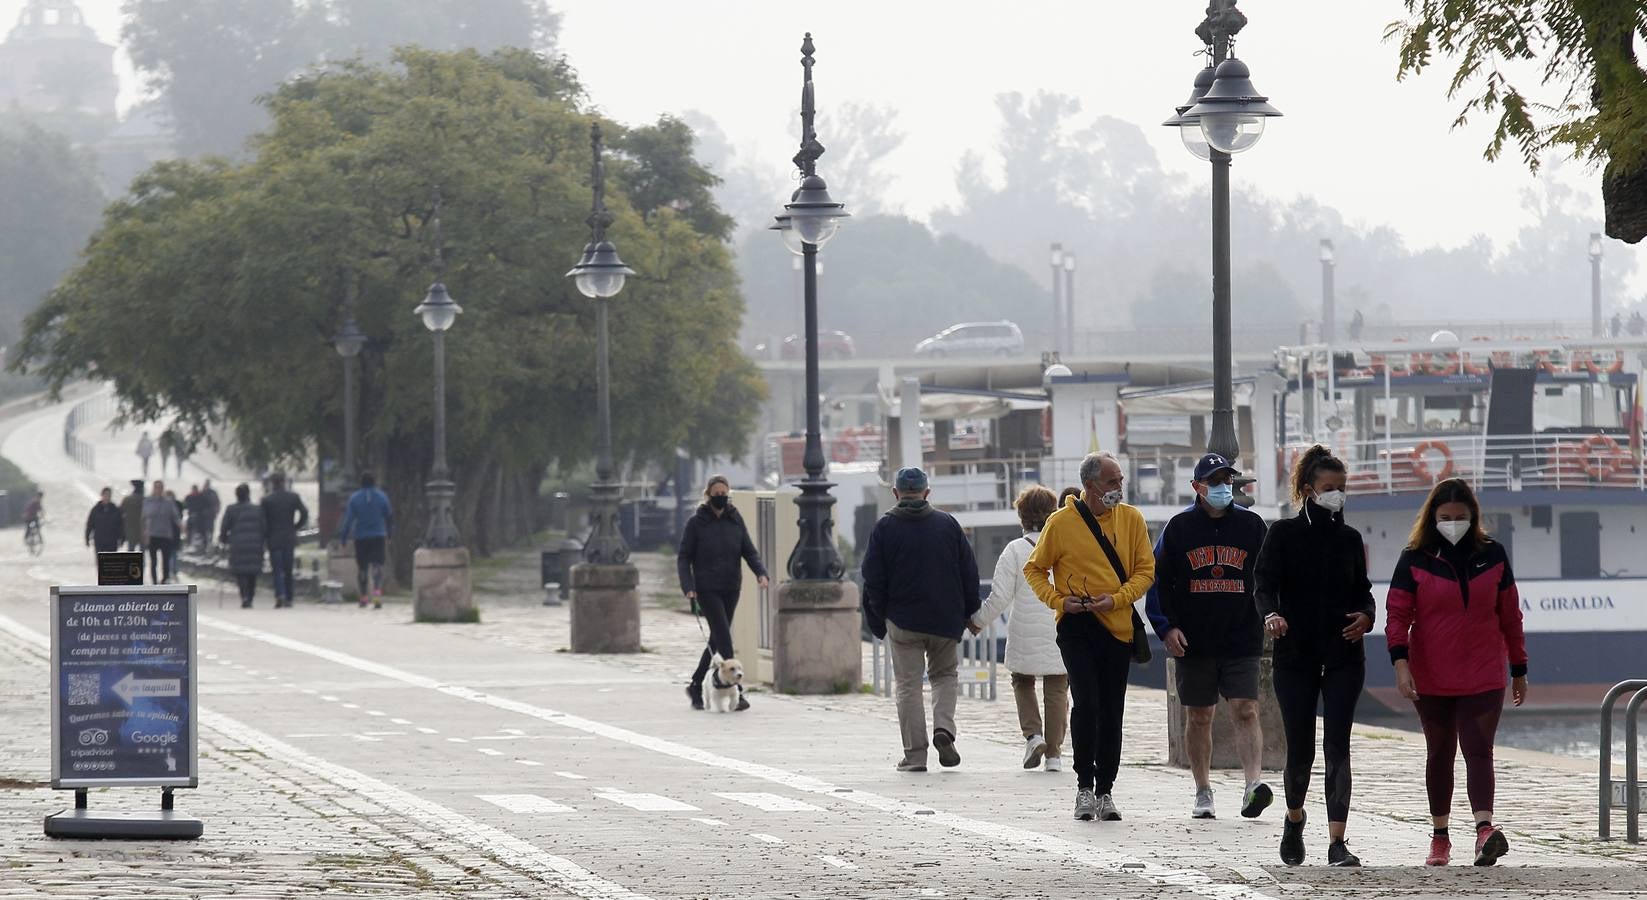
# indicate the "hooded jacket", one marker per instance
pixel 712 549
pixel 1313 573
pixel 1455 615
pixel 919 572
pixel 1204 578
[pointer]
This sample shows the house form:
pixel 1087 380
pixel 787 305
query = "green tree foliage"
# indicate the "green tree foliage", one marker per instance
pixel 210 293
pixel 1583 50
pixel 211 60
pixel 52 204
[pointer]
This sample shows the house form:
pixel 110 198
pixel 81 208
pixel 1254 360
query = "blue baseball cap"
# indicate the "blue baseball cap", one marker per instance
pixel 909 479
pixel 1212 464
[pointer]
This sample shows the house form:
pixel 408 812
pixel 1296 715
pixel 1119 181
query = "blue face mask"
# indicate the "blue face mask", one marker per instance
pixel 1220 496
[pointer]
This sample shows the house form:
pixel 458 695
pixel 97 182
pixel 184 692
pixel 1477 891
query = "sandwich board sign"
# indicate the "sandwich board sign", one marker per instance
pixel 123 704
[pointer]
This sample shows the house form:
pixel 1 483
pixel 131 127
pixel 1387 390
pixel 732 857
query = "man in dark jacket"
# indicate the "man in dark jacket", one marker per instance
pixel 105 526
pixel 1202 607
pixel 714 547
pixel 131 514
pixel 214 505
pixel 920 590
pixel 284 515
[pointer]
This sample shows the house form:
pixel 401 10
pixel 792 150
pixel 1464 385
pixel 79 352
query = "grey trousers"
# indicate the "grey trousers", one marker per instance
pixel 913 652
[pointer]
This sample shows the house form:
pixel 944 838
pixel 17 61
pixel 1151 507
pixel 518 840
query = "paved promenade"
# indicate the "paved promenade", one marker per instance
pixel 349 752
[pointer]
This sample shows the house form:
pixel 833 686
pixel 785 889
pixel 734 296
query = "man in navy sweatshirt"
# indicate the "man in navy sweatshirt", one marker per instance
pixel 1202 608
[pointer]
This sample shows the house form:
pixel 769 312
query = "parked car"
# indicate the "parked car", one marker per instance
pixel 831 345
pixel 974 339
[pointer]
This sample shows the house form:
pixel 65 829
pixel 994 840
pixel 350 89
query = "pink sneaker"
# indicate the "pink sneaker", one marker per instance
pixel 1441 851
pixel 1490 844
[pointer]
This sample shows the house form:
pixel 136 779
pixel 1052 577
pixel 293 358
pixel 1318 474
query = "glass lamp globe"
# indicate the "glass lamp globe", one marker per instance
pixel 1195 141
pixel 437 309
pixel 1232 132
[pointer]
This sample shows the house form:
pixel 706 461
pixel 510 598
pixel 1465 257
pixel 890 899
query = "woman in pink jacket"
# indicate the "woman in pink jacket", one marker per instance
pixel 1452 623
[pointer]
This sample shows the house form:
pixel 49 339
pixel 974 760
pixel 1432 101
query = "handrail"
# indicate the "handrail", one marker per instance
pixel 1613 693
pixel 1632 786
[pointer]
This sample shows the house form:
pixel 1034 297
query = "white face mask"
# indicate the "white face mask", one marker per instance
pixel 1331 501
pixel 1113 499
pixel 1453 531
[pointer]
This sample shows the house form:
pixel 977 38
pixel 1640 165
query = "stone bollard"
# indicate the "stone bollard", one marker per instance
pixel 440 586
pixel 817 647
pixel 605 609
pixel 1223 724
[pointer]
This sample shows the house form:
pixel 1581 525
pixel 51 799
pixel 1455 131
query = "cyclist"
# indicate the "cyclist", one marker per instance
pixel 32 513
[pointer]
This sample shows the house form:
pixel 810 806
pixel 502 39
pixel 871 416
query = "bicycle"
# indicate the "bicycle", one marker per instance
pixel 33 539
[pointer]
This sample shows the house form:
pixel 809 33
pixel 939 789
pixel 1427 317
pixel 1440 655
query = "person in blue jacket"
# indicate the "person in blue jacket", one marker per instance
pixel 367 520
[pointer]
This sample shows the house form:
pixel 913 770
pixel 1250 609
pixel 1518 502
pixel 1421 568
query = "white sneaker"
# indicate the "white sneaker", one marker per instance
pixel 1203 808
pixel 1055 764
pixel 1034 748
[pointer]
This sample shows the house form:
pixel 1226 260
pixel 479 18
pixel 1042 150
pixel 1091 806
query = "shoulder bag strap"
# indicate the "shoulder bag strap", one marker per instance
pixel 1103 542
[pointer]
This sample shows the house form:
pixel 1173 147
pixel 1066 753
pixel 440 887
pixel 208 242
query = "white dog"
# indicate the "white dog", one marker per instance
pixel 725 683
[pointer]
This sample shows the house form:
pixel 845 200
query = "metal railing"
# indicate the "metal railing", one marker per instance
pixel 92 409
pixel 1631 801
pixel 1397 465
pixel 975 673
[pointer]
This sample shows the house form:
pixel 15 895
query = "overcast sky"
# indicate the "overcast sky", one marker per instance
pixel 1381 152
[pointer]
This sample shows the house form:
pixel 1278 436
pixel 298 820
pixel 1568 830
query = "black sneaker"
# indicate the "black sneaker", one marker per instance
pixel 694 692
pixel 1338 854
pixel 1292 840
pixel 743 703
pixel 948 756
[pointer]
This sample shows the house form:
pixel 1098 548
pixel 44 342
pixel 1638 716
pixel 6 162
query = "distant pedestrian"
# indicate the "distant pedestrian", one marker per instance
pixel 177 538
pixel 367 521
pixel 168 445
pixel 160 521
pixel 244 532
pixel 131 514
pixel 194 505
pixel 920 590
pixel 214 506
pixel 105 526
pixel 1202 607
pixel 1357 324
pixel 1093 563
pixel 1317 603
pixel 1065 494
pixel 715 546
pixel 284 516
pixel 180 452
pixel 1454 621
pixel 1032 638
pixel 145 449
pixel 1638 325
pixel 1615 324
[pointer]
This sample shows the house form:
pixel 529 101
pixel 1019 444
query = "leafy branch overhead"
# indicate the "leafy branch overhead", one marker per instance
pixel 1583 54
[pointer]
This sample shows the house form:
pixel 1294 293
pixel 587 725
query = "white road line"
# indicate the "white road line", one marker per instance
pixel 351 706
pixel 514 731
pixel 645 802
pixel 1098 857
pixel 772 802
pixel 495 737
pixel 328 698
pixel 572 775
pixel 458 740
pixel 489 751
pixel 307 735
pixel 713 823
pixel 764 838
pixel 525 803
pixel 382 733
pixel 421 728
pixel 401 721
pixel 528 762
pixel 366 738
pixel 375 712
pixel 508 849
pixel 837 862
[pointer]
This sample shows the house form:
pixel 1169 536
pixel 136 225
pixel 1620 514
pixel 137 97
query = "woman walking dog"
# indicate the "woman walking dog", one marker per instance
pixel 713 548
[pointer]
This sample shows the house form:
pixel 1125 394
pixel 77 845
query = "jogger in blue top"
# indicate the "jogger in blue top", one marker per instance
pixel 367 519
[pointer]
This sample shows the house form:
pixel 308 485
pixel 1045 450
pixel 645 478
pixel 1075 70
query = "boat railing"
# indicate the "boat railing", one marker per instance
pixel 1413 464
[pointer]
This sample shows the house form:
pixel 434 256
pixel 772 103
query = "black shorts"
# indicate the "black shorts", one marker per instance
pixel 369 551
pixel 1201 679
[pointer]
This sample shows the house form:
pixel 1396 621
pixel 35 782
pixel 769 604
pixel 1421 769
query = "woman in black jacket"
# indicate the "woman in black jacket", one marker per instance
pixel 1316 600
pixel 713 549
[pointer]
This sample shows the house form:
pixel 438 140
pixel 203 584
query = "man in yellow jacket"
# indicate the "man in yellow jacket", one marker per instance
pixel 1071 572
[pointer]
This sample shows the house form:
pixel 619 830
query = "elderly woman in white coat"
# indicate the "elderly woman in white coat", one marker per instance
pixel 1032 638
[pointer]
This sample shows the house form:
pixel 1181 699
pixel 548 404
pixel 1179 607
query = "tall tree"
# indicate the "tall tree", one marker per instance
pixel 52 204
pixel 860 138
pixel 247 265
pixel 1583 49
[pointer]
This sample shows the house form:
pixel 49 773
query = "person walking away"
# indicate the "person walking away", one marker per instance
pixel 194 506
pixel 1202 608
pixel 244 532
pixel 177 539
pixel 366 521
pixel 1453 621
pixel 168 443
pixel 214 506
pixel 105 526
pixel 714 547
pixel 180 452
pixel 284 516
pixel 145 449
pixel 160 521
pixel 1032 637
pixel 1092 564
pixel 1317 604
pixel 131 513
pixel 920 590
pixel 1615 324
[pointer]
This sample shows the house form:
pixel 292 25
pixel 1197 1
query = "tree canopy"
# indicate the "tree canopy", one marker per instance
pixel 211 292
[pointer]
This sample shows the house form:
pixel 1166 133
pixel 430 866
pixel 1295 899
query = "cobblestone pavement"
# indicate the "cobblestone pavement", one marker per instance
pixel 349 752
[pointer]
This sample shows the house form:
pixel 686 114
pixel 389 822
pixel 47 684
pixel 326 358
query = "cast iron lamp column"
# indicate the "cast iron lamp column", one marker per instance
pixel 599 275
pixel 348 342
pixel 1058 336
pixel 1069 300
pixel 438 312
pixel 812 219
pixel 1587 401
pixel 1229 115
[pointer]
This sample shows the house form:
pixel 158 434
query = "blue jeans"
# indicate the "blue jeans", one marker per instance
pixel 281 560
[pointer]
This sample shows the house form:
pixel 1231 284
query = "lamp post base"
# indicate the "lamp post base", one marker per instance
pixel 817 647
pixel 440 585
pixel 605 608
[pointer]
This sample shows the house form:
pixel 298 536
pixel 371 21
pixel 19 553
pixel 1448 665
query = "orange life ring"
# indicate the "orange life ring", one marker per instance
pixel 1543 362
pixel 1421 466
pixel 843 450
pixel 1586 361
pixel 1600 454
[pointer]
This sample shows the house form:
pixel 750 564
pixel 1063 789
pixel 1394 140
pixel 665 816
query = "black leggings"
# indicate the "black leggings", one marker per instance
pixel 1337 689
pixel 717 607
pixel 1097 666
pixel 248 586
pixel 1451 722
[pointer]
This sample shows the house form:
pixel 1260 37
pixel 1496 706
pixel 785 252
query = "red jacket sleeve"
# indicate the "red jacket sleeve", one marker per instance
pixel 1509 623
pixel 1399 608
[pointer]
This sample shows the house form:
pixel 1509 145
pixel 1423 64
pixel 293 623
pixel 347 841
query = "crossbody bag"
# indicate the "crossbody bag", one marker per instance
pixel 1140 641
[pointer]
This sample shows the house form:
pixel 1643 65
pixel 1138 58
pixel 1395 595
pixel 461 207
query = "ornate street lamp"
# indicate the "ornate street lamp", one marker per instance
pixel 811 218
pixel 438 312
pixel 600 275
pixel 1229 113
pixel 1069 301
pixel 1058 298
pixel 348 342
pixel 1595 284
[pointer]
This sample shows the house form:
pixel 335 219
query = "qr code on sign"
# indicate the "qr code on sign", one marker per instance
pixel 84 689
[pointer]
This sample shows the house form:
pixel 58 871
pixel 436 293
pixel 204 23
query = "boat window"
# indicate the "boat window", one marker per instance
pixel 1448 413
